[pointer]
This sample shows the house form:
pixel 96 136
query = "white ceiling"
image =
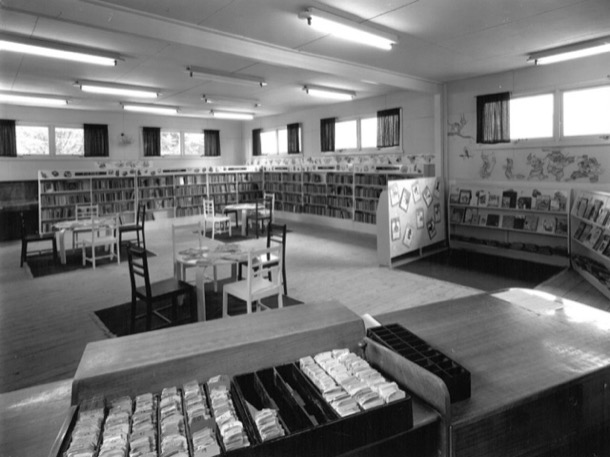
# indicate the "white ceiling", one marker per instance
pixel 440 41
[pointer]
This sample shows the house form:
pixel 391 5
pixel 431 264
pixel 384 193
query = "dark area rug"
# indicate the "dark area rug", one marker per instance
pixel 116 318
pixel 481 271
pixel 43 264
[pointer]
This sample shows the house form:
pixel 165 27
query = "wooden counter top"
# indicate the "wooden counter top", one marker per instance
pixel 518 355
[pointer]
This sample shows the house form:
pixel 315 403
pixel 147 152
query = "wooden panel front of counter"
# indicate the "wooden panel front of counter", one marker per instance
pixel 538 378
pixel 150 361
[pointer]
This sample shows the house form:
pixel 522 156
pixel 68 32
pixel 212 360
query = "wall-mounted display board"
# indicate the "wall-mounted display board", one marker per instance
pixel 410 221
pixel 590 237
pixel 524 222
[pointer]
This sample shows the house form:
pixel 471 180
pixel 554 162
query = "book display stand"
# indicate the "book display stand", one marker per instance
pixel 590 237
pixel 522 222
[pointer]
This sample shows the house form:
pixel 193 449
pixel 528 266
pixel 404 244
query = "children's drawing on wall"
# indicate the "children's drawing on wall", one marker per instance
pixel 536 167
pixel 509 170
pixel 489 162
pixel 557 161
pixel 466 153
pixel 456 128
pixel 588 168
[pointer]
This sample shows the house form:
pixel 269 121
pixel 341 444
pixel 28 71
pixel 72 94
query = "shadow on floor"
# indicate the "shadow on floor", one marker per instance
pixel 481 271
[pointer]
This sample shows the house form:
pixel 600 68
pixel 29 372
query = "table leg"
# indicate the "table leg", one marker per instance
pixel 60 236
pixel 244 217
pixel 200 286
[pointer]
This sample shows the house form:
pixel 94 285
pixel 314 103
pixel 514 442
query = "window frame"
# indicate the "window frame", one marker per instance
pixel 370 149
pixel 52 148
pixel 277 153
pixel 182 154
pixel 588 138
pixel 554 130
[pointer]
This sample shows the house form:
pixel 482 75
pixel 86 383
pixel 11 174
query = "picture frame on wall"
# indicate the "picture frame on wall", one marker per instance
pixel 405 198
pixel 394 194
pixel 419 218
pixel 395 228
pixel 407 239
pixel 427 195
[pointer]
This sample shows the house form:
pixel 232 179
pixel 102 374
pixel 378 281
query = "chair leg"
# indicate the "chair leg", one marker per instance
pixel 192 296
pixel 249 306
pixel 149 313
pixel 84 255
pixel 24 251
pixel 215 273
pixel 132 326
pixel 225 303
pixel 118 253
pixel 174 310
pixel 55 256
pixel 284 280
pixel 280 301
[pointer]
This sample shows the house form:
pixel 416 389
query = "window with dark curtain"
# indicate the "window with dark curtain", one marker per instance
pixel 388 128
pixel 294 146
pixel 151 138
pixel 8 138
pixel 256 142
pixel 493 118
pixel 211 143
pixel 96 140
pixel 327 134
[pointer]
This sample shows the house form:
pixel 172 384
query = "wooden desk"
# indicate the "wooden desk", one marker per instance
pixel 539 376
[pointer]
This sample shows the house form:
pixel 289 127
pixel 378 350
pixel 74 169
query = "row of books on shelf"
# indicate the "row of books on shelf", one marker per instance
pixel 593 209
pixel 367 218
pixel 156 193
pixel 65 186
pixel 156 182
pixel 190 180
pixel 222 178
pixel 314 189
pixel 368 192
pixel 340 190
pixel 593 237
pixel 599 271
pixel 123 195
pixel 510 199
pixel 289 207
pixel 313 178
pixel 340 179
pixel 222 188
pixel 292 198
pixel 191 190
pixel 366 205
pixel 113 183
pixel 340 202
pixel 64 200
pixel 315 199
pixel 560 250
pixel 556 225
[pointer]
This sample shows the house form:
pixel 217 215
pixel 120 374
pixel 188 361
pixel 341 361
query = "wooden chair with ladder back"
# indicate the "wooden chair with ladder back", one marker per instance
pixel 137 226
pixel 156 293
pixel 35 237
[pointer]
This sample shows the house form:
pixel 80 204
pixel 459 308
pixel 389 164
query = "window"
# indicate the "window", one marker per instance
pixel 269 142
pixel 69 141
pixel 193 144
pixel 346 135
pixel 170 143
pixel 586 111
pixel 275 141
pixel 32 140
pixel 368 132
pixel 531 117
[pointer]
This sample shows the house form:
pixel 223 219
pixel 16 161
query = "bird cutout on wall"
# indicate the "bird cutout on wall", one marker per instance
pixel 489 163
pixel 465 154
pixel 455 128
pixel 557 161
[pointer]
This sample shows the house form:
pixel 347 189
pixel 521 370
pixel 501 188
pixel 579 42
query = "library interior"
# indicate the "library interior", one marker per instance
pixel 276 228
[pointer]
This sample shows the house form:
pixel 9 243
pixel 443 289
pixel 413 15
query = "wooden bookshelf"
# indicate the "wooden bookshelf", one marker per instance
pixel 189 192
pixel 340 195
pixel 590 237
pixel 524 222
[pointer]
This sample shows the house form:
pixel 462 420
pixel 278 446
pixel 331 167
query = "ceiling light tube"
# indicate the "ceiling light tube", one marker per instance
pixel 569 52
pixel 31 99
pixel 116 89
pixel 225 77
pixel 349 30
pixel 232 115
pixel 154 109
pixel 213 99
pixel 43 48
pixel 328 92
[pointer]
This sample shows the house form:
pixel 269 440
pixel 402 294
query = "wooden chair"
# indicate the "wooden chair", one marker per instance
pixel 262 214
pixel 259 283
pixel 155 292
pixel 102 233
pixel 276 234
pixel 220 222
pixel 137 226
pixel 83 213
pixel 27 238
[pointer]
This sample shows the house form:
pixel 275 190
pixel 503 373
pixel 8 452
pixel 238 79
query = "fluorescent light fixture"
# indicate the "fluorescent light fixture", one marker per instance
pixel 31 99
pixel 348 30
pixel 116 89
pixel 225 77
pixel 232 115
pixel 56 50
pixel 329 92
pixel 154 109
pixel 214 99
pixel 572 51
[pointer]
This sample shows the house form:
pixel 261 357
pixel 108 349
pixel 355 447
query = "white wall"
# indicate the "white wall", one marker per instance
pixel 418 115
pixel 26 168
pixel 566 164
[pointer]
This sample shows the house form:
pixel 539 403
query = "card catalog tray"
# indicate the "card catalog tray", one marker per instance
pixel 415 349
